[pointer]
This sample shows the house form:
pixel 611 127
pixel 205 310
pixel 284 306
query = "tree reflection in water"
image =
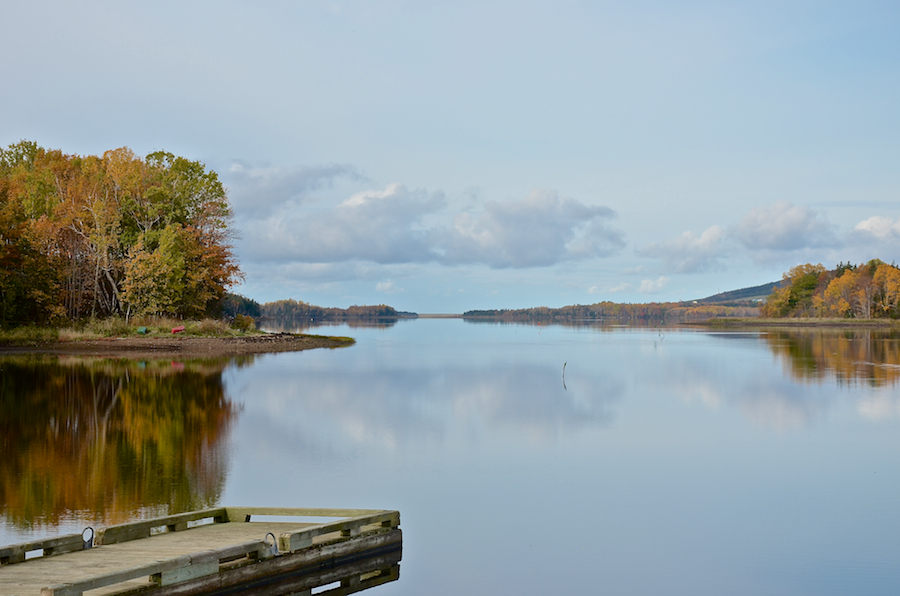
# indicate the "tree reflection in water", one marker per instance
pixel 110 440
pixel 868 356
pixel 287 325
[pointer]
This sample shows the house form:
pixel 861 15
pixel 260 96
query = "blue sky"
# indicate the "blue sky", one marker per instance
pixel 441 157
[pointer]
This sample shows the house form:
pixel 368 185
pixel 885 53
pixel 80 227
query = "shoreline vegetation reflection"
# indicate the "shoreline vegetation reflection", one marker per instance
pixel 848 355
pixel 866 356
pixel 302 325
pixel 111 440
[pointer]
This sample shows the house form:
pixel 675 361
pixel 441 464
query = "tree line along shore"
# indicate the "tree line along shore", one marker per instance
pixel 121 237
pixel 111 235
pixel 867 294
pixel 119 245
pixel 859 292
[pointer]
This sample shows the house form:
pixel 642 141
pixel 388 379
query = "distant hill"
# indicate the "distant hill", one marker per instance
pixel 744 295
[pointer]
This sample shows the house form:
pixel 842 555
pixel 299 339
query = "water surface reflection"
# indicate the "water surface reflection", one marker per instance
pixel 304 325
pixel 110 440
pixel 656 465
pixel 319 411
pixel 867 356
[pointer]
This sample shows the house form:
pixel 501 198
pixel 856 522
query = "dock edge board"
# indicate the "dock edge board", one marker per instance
pixel 360 530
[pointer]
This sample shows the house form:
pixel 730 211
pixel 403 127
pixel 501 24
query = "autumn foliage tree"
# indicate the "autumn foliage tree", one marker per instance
pixel 795 296
pixel 116 234
pixel 866 291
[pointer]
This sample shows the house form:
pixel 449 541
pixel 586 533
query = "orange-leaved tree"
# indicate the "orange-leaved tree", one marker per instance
pixel 71 225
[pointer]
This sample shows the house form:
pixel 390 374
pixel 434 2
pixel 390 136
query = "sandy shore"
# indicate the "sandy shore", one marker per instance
pixel 180 347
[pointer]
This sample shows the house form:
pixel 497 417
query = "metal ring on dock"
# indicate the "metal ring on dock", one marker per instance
pixel 274 543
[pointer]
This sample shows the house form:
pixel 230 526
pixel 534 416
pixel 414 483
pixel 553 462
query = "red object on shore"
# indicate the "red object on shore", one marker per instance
pixel 178 329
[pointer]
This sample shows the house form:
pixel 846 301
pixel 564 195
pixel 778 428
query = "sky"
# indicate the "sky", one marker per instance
pixel 442 157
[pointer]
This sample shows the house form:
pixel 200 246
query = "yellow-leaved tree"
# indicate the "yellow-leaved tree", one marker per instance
pixel 155 273
pixel 98 236
pixel 887 282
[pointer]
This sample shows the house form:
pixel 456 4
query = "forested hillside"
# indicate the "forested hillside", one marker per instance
pixel 745 296
pixel 93 236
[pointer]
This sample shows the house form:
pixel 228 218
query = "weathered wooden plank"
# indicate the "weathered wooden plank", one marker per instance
pixel 142 528
pixel 106 559
pixel 116 577
pixel 255 549
pixel 15 553
pixel 193 571
pixel 177 569
pixel 240 514
pixel 350 527
pixel 244 514
pixel 113 535
pixel 293 541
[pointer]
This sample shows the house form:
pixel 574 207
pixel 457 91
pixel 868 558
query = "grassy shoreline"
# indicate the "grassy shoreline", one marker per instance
pixel 116 327
pixel 154 339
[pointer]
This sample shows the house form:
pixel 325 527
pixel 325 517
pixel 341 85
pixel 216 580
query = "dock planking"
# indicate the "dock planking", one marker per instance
pixel 206 551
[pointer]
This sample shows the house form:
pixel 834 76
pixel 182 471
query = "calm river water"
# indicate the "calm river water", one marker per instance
pixel 681 461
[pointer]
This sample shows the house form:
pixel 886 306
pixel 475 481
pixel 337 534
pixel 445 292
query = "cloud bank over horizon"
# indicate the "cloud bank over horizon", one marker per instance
pixel 282 223
pixel 295 224
pixel 780 233
pixel 450 156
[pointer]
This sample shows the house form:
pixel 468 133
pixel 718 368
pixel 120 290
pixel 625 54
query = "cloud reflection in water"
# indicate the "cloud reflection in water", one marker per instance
pixel 396 408
pixel 816 365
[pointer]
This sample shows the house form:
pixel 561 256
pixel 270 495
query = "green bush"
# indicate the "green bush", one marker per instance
pixel 244 323
pixel 206 327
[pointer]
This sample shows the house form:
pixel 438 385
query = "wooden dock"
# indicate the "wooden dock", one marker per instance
pixel 222 550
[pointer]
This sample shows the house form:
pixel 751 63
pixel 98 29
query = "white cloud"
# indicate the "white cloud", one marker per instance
pixel 878 227
pixel 256 191
pixel 779 233
pixel 875 237
pixel 387 287
pixel 378 226
pixel 391 226
pixel 622 287
pixel 282 275
pixel 689 253
pixel 650 286
pixel 782 226
pixel 541 230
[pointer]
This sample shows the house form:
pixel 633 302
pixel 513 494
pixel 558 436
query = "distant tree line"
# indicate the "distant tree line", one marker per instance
pixel 865 291
pixel 294 309
pixel 93 236
pixel 235 304
pixel 654 311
